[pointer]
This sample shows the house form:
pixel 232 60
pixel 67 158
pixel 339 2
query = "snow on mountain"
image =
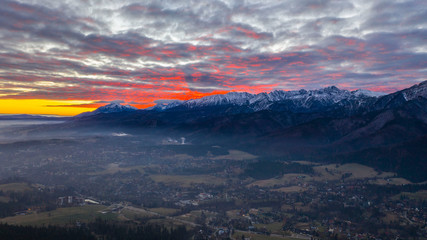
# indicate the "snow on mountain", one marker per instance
pixel 368 93
pixel 298 101
pixel 115 107
pixel 232 98
pixel 400 97
pixel 164 104
pixel 419 90
pixel 110 108
pixel 257 102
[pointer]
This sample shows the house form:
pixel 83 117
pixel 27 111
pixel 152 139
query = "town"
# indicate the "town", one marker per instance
pixel 217 192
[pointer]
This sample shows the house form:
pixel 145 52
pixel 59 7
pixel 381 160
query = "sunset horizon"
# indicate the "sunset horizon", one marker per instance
pixel 67 57
pixel 75 107
pixel 213 119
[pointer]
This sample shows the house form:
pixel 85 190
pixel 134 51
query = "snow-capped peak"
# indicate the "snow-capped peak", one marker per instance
pixel 109 108
pixel 165 104
pixel 303 99
pixel 232 98
pixel 115 107
pixel 363 92
pixel 300 98
pixel 419 90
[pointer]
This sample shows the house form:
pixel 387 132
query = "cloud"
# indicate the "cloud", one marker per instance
pixel 143 51
pixel 114 101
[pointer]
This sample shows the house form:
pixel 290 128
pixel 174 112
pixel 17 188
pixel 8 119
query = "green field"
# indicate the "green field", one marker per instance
pixel 61 216
pixel 275 227
pixel 131 214
pixel 188 180
pixel 357 171
pixel 164 211
pixel 289 179
pixel 236 155
pixel 113 168
pixel 329 172
pixel 169 223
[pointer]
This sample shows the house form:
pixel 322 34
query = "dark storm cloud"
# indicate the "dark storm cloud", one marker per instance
pixel 141 51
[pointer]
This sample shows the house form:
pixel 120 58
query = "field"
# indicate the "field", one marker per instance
pixel 61 216
pixel 179 157
pixel 133 213
pixel 391 181
pixel 275 228
pixel 236 155
pixel 286 179
pixel 169 223
pixel 390 217
pixel 188 180
pixel 15 187
pixel 352 170
pixel 328 172
pixel 115 168
pixel 191 216
pixel 164 211
pixel 290 189
pixel 306 163
pixel 420 195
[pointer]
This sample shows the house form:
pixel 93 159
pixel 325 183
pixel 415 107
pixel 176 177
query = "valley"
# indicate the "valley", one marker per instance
pixel 210 187
pixel 305 165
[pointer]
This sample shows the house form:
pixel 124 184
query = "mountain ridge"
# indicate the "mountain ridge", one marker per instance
pixel 320 125
pixel 109 108
pixel 304 99
pixel 299 100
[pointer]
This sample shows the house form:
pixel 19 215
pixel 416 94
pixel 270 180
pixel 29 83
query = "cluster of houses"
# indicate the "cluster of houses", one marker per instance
pixel 200 197
pixel 68 201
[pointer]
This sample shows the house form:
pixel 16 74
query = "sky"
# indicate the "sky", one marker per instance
pixel 69 56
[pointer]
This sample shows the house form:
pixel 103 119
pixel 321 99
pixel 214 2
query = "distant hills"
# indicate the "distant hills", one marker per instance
pixel 109 108
pixel 387 131
pixel 31 117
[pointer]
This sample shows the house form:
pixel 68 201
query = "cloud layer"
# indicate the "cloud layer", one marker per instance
pixel 140 51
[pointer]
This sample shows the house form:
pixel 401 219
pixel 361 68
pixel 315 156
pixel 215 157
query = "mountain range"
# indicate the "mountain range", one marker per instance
pixel 302 101
pixel 386 131
pixel 297 101
pixel 110 108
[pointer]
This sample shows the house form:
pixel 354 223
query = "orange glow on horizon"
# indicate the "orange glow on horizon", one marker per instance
pixel 43 106
pixel 74 107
